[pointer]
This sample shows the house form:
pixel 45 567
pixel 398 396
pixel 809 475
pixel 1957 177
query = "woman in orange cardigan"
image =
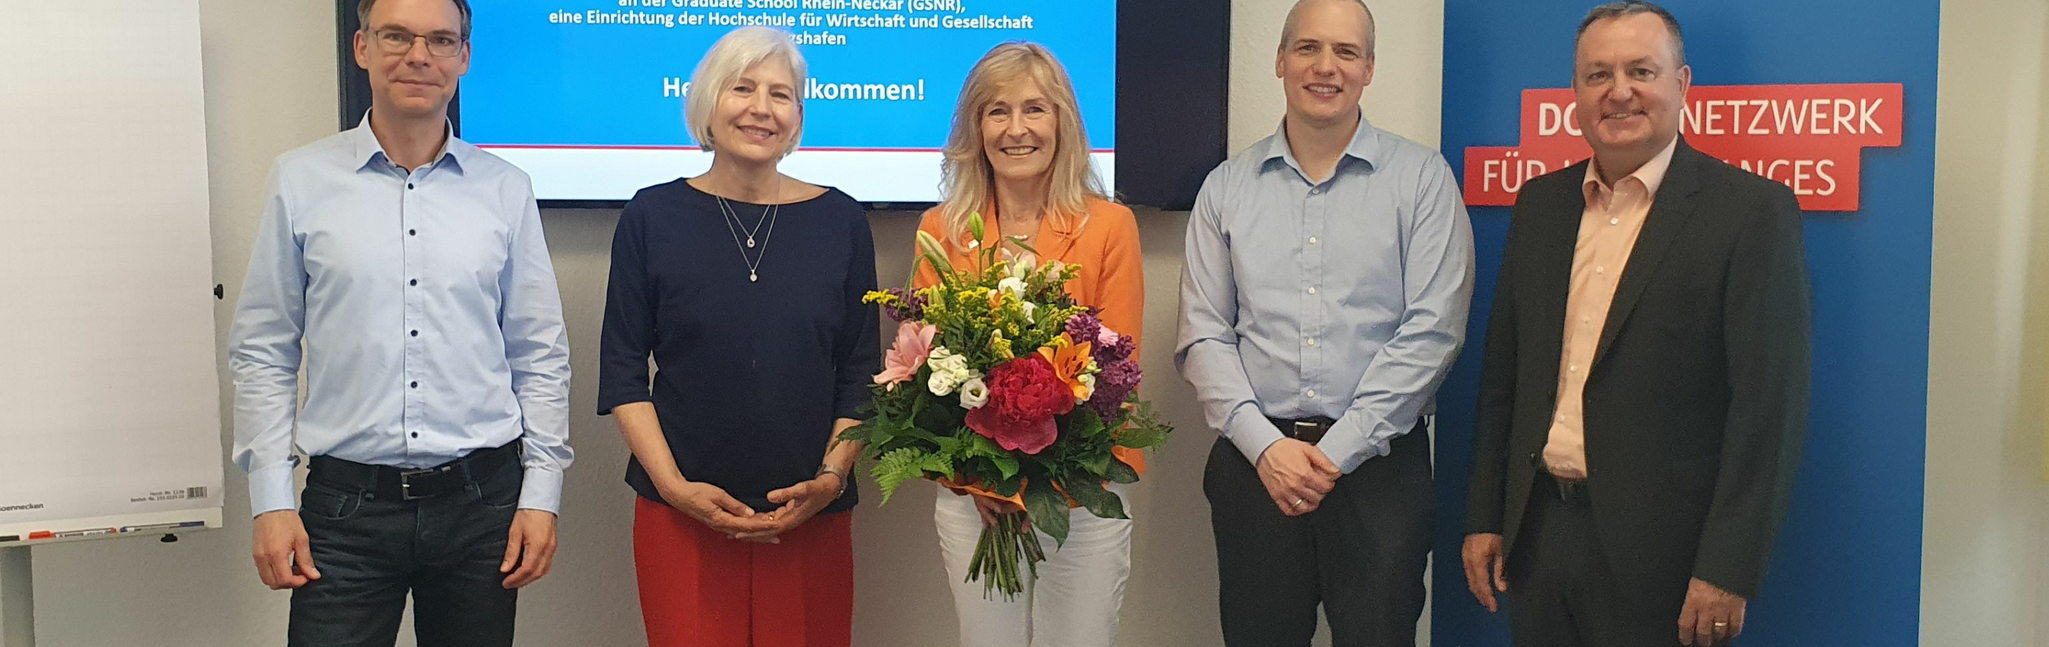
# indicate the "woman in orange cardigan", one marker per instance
pixel 1018 158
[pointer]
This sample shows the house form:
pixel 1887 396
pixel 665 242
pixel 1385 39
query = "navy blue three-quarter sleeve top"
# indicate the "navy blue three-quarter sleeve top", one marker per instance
pixel 748 375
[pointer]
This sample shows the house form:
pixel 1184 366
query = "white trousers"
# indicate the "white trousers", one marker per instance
pixel 1072 603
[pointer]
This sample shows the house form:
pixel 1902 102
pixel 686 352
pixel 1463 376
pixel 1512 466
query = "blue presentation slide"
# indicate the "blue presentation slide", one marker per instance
pixel 587 95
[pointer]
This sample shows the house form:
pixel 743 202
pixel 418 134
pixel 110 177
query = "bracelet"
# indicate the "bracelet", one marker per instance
pixel 835 471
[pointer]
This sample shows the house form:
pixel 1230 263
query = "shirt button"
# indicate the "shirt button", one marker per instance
pixel 416 434
pixel 1312 290
pixel 409 186
pixel 412 232
pixel 416 385
pixel 1312 240
pixel 1316 191
pixel 416 333
pixel 1312 341
pixel 1600 269
pixel 1614 221
pixel 413 282
pixel 1573 368
pixel 1310 393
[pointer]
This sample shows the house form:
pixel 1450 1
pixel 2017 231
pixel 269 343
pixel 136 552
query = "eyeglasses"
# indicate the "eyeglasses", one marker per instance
pixel 399 41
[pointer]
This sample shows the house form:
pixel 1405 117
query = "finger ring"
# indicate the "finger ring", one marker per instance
pixel 1721 625
pixel 1297 504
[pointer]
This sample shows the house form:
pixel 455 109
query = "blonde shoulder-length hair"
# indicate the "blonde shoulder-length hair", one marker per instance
pixel 721 69
pixel 969 181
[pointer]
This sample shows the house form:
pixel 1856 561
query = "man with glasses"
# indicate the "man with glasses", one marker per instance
pixel 405 271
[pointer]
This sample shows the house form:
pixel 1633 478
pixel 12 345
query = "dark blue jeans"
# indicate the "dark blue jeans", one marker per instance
pixel 373 551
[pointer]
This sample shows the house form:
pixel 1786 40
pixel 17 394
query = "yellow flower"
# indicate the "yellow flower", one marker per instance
pixel 1000 346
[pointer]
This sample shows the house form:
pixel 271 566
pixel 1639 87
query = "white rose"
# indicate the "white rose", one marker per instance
pixel 974 393
pixel 956 364
pixel 943 382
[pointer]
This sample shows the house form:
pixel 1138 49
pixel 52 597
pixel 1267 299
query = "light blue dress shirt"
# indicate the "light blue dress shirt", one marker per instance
pixel 428 312
pixel 1344 298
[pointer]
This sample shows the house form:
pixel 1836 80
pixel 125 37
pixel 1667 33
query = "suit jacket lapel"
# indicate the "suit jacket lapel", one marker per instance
pixel 1550 273
pixel 1670 209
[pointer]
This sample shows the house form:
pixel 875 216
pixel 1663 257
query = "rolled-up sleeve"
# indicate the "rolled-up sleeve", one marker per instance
pixel 629 329
pixel 858 350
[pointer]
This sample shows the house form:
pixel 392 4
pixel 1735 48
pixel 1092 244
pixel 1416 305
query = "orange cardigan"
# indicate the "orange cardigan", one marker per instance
pixel 1105 246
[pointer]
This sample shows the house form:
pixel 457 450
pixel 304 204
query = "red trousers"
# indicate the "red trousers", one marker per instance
pixel 700 589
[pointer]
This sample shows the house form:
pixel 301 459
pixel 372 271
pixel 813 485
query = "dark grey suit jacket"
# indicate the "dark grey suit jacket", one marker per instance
pixel 1696 401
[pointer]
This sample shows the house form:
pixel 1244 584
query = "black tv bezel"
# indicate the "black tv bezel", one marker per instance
pixel 1171 118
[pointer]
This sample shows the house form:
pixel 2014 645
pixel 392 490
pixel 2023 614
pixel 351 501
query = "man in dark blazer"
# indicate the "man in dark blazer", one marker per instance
pixel 1645 383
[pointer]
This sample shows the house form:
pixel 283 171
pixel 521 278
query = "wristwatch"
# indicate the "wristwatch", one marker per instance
pixel 835 471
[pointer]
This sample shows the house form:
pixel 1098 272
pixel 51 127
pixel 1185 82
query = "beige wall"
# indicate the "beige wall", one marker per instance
pixel 1407 89
pixel 1983 556
pixel 269 69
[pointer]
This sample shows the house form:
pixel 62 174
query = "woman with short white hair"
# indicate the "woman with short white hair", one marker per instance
pixel 742 535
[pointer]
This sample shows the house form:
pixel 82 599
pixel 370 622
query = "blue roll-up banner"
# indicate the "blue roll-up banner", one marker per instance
pixel 1835 98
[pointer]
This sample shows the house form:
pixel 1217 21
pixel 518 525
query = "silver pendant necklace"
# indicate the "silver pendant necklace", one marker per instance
pixel 734 225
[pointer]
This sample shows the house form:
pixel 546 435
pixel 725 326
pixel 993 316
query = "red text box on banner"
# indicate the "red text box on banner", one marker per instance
pixel 1809 137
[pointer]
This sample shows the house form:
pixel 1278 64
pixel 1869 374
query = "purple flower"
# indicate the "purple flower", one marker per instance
pixel 1082 328
pixel 1113 385
pixel 1112 348
pixel 910 308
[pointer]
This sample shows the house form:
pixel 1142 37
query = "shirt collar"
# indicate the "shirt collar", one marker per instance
pixel 364 146
pixel 1365 145
pixel 1651 174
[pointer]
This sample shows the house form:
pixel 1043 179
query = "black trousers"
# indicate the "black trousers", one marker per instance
pixel 372 551
pixel 1361 554
pixel 1561 591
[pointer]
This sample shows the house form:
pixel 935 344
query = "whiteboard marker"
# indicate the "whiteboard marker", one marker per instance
pixel 163 526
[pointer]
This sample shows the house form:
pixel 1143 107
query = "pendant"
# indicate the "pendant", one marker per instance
pixel 751 277
pixel 750 242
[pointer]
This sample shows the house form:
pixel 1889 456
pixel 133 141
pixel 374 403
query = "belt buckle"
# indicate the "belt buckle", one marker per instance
pixel 405 481
pixel 1310 431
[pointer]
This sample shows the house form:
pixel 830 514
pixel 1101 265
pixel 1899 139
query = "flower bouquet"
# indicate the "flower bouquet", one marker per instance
pixel 999 385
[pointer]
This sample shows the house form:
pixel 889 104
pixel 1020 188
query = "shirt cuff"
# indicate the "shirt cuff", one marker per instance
pixel 1347 444
pixel 1251 432
pixel 542 491
pixel 270 489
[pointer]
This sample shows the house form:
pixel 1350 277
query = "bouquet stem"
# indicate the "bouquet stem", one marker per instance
pixel 998 552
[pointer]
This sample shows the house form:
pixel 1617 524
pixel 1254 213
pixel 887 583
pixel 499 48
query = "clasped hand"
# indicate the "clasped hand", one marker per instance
pixel 1297 475
pixel 718 510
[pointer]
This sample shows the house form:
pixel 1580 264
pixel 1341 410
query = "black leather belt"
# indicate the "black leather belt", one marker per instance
pixel 410 484
pixel 1308 430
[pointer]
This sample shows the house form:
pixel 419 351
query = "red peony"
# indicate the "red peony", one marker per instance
pixel 1024 395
